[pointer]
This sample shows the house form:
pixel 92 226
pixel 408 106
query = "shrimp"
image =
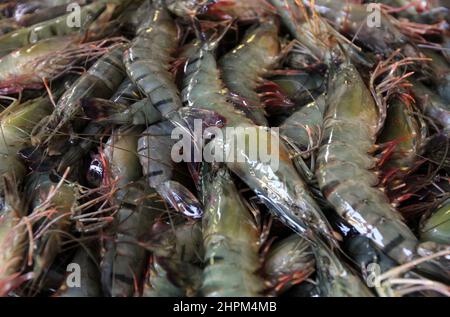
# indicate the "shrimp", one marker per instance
pixel 301 88
pixel 248 10
pixel 433 105
pixel 16 124
pixel 175 266
pixel 56 27
pixel 437 227
pixel 281 188
pixel 52 202
pixel 103 111
pixel 289 262
pixel 13 234
pixel 304 127
pixel 101 80
pixel 231 240
pixel 126 94
pixel 244 67
pixel 31 13
pixel 394 281
pixel 352 19
pixel 335 278
pixel 352 122
pixel 344 174
pixel 31 67
pixel 155 147
pixel 148 60
pixel 125 257
pixel 404 135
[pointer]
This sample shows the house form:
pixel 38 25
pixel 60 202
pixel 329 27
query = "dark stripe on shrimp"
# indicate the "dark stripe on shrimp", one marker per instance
pixel 124 278
pixel 195 60
pixel 163 102
pixel 141 77
pixel 155 173
pixel 393 244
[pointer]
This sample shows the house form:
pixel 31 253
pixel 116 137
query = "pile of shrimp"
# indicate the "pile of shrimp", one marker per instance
pixel 94 201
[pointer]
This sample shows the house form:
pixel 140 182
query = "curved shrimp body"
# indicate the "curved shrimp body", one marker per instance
pixel 335 278
pixel 148 61
pixel 52 204
pixel 344 165
pixel 183 248
pixel 28 66
pixel 437 227
pixel 56 27
pixel 16 124
pixel 289 262
pixel 304 127
pixel 121 156
pixel 155 150
pixel 280 186
pixel 231 240
pixel 124 261
pixel 101 80
pixel 203 88
pixel 403 128
pixel 33 13
pixel 243 67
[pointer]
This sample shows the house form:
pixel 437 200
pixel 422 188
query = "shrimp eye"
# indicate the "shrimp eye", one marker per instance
pixel 95 172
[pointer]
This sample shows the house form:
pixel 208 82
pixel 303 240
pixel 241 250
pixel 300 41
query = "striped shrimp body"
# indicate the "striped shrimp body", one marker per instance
pixel 344 167
pixel 155 150
pixel 392 280
pixel 101 80
pixel 231 240
pixel 243 68
pixel 148 61
pixel 175 267
pixel 289 262
pixel 335 277
pixel 279 187
pixel 53 28
pixel 124 258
